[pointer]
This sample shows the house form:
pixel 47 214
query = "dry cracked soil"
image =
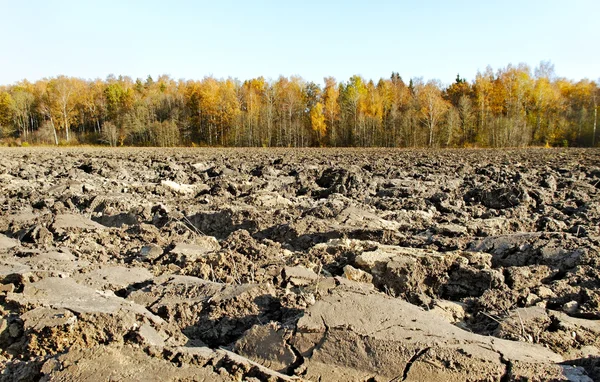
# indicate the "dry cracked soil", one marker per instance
pixel 290 265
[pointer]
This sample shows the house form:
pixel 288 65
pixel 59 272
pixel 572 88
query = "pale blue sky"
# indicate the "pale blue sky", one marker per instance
pixel 313 39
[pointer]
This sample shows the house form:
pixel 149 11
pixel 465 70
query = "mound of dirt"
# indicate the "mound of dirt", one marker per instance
pixel 281 265
pixel 383 338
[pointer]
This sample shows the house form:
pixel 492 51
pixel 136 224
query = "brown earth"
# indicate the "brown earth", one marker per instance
pixel 321 265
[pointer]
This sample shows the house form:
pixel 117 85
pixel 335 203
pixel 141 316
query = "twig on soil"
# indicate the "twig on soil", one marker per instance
pixel 491 317
pixel 198 232
pixel 523 333
pixel 389 291
pixel 318 277
pixel 185 222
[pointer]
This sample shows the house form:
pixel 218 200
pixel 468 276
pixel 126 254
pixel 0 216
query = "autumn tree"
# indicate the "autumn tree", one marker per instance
pixel 331 109
pixel 93 106
pixel 311 96
pixel 352 95
pixel 432 107
pixel 545 102
pixel 513 87
pixel 317 121
pixel 483 87
pixel 595 95
pixel 398 109
pixel 252 96
pixel 289 96
pixel 6 108
pixel 513 106
pixel 23 108
pixel 48 106
pixel 228 108
pixel 62 93
pixel 466 115
pixel 209 109
pixel 119 97
pixel 164 134
pixel 110 134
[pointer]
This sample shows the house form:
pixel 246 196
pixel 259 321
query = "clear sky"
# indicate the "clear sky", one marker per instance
pixel 313 39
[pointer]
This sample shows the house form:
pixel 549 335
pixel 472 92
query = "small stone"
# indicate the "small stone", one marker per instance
pixel 532 299
pixel 14 330
pixel 52 365
pixel 7 288
pixel 202 167
pixel 183 189
pixel 453 312
pixel 545 292
pixel 150 252
pixel 43 318
pixel 549 182
pixel 299 276
pixel 451 229
pixel 7 243
pixel 192 252
pixel 570 307
pixel 150 336
pixel 65 222
pixel 359 275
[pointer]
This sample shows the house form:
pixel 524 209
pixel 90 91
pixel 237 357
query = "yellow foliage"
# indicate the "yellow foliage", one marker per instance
pixel 317 120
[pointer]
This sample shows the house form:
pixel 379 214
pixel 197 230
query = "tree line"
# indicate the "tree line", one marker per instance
pixel 512 106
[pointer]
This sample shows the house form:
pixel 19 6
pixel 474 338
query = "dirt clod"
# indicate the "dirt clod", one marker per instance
pixel 281 265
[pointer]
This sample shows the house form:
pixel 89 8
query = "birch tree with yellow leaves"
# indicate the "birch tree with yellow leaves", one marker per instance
pixel 511 106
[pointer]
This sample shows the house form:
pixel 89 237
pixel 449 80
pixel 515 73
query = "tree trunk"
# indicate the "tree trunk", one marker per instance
pixel 595 122
pixel 54 131
pixel 66 123
pixel 431 135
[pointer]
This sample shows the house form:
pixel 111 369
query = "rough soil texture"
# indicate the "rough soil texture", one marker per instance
pixel 319 265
